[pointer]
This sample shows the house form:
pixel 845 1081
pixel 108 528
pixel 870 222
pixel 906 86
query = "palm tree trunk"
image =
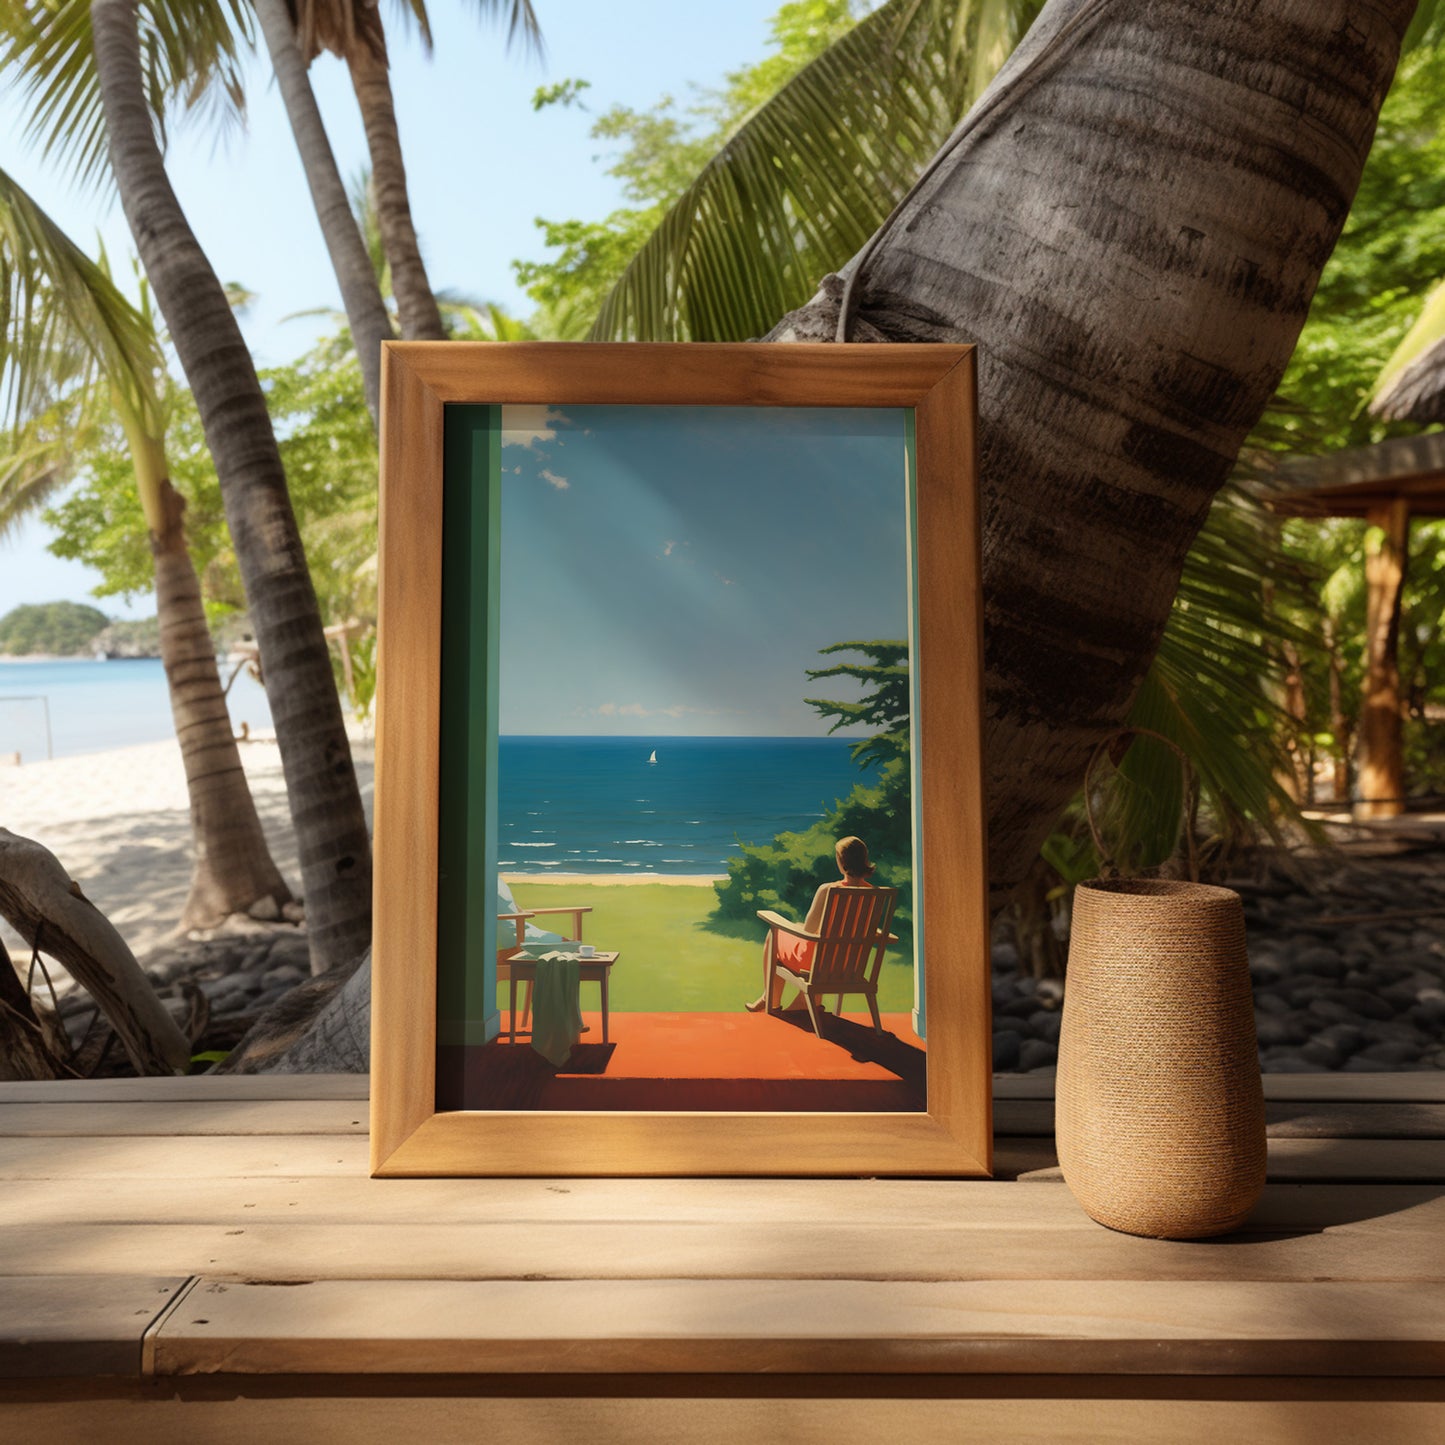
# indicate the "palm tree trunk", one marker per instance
pixel 415 303
pixel 315 754
pixel 1130 225
pixel 234 870
pixel 360 291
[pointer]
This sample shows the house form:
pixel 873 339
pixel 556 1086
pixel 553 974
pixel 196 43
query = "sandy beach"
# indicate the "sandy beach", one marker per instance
pixel 119 822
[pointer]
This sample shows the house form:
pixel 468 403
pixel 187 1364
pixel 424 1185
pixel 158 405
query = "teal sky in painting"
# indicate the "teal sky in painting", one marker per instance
pixel 673 571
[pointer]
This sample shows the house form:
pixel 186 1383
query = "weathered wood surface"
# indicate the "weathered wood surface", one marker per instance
pixel 132 1213
pixel 691 1325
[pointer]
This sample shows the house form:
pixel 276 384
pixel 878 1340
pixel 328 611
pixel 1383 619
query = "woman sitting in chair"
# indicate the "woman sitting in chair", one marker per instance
pixel 851 855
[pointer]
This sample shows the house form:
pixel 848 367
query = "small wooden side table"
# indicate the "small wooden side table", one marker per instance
pixel 597 969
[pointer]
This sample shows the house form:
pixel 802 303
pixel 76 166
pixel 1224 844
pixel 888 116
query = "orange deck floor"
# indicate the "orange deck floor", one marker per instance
pixel 699 1061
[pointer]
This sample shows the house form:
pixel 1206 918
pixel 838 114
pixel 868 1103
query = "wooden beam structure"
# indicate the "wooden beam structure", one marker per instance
pixel 1381 738
pixel 1386 485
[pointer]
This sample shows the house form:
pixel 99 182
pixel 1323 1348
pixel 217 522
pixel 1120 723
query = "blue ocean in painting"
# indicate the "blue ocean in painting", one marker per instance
pixel 599 805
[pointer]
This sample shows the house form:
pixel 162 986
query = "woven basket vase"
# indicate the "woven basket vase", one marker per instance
pixel 1160 1106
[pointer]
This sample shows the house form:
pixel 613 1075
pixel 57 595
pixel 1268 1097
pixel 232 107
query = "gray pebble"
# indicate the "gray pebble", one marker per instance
pixel 1035 1054
pixel 1007 1046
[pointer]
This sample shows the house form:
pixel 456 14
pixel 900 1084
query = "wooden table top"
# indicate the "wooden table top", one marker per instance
pixel 164 1239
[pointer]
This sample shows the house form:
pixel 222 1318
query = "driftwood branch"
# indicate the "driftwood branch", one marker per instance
pixel 37 896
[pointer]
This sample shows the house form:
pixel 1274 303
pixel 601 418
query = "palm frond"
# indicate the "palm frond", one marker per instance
pixel 1213 689
pixel 190 55
pixel 69 343
pixel 1428 26
pixel 54 301
pixel 810 174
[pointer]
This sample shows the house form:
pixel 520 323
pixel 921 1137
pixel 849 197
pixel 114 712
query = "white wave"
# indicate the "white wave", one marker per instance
pixel 534 845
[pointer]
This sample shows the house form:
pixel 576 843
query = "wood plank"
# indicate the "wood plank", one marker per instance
pixel 1386 1119
pixel 1415 1087
pixel 202 1088
pixel 160 1157
pixel 1420 1087
pixel 1025 1411
pixel 74 1324
pixel 219 1156
pixel 721 1203
pixel 1054 1327
pixel 1424 1087
pixel 293 1250
pixel 1343 1161
pixel 1285 1119
pixel 1014 1119
pixel 1405 1161
pixel 235 1118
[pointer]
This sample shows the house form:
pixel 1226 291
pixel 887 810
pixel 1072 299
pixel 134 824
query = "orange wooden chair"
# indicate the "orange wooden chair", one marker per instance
pixel 847 949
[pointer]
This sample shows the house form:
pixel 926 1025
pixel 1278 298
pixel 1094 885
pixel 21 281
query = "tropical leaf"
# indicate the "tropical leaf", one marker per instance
pixel 1214 687
pixel 190 56
pixel 1428 26
pixel 70 346
pixel 811 173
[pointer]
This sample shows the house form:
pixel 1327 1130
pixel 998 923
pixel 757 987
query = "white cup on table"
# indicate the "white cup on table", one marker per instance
pixel 586 950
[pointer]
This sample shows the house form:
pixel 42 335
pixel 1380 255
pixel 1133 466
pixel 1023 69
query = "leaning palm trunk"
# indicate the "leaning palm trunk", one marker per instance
pixel 233 869
pixel 416 306
pixel 360 291
pixel 1130 225
pixel 320 779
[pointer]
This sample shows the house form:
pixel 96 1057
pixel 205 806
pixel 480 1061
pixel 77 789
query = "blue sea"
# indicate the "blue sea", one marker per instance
pixel 94 706
pixel 598 805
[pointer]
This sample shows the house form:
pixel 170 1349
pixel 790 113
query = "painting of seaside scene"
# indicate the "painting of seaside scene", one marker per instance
pixel 701 847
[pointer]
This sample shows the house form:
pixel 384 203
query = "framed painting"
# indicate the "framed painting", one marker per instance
pixel 679 829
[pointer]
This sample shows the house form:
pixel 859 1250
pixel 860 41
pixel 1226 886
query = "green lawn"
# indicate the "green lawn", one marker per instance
pixel 671 961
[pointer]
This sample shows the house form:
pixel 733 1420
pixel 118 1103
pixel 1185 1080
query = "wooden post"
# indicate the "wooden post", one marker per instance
pixel 1381 742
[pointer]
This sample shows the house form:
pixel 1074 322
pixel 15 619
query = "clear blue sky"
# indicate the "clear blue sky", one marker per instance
pixel 674 570
pixel 481 166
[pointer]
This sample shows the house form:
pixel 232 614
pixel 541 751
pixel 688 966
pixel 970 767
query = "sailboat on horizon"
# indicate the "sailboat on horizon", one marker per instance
pixel 652 758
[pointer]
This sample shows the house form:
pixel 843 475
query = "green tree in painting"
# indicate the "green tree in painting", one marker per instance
pixel 785 872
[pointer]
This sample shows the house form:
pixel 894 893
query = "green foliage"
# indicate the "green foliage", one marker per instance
pixel 661 152
pixel 53 629
pixel 319 411
pixel 822 153
pixel 886 707
pixel 190 55
pixel 1391 251
pixel 785 873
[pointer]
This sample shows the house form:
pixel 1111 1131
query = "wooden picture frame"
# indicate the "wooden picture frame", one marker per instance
pixel 409 1136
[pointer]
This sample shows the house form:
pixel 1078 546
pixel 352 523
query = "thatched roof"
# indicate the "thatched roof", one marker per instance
pixel 1418 392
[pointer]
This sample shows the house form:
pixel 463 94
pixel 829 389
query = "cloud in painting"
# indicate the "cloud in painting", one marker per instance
pixel 636 709
pixel 553 480
pixel 525 426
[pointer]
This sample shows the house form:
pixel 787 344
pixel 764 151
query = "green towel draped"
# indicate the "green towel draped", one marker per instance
pixel 557 1006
